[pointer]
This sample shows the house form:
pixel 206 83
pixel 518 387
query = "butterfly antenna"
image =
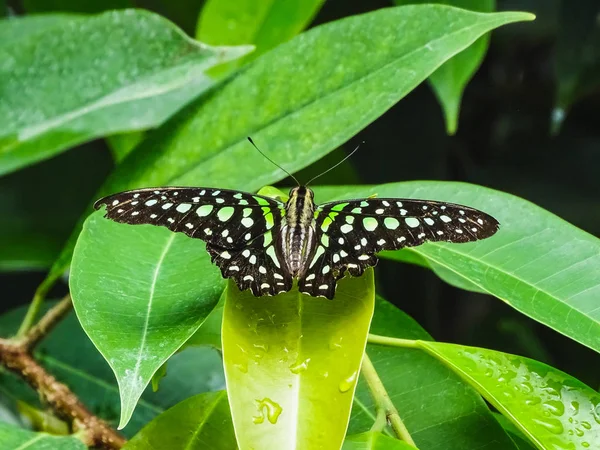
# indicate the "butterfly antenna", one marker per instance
pixel 331 168
pixel 273 162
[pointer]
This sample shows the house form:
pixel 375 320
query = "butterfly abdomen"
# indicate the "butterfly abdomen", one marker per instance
pixel 298 229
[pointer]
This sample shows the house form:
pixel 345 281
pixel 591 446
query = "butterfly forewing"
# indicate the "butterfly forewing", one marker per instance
pixel 349 233
pixel 240 229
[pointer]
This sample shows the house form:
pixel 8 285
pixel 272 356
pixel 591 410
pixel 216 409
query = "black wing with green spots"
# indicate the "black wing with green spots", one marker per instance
pixel 349 233
pixel 239 229
pixel 244 233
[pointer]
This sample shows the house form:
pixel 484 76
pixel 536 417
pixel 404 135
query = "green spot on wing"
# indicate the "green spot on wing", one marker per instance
pixel 204 210
pixel 225 213
pixel 326 222
pixel 370 223
pixel 391 223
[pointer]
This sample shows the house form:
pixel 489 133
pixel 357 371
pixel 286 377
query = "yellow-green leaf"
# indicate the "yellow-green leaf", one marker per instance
pixel 292 361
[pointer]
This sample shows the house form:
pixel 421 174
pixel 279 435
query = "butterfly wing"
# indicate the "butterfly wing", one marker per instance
pixel 240 229
pixel 351 232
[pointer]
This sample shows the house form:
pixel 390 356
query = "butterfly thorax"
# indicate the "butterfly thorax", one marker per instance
pixel 298 230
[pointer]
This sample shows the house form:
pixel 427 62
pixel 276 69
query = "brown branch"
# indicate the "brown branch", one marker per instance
pixel 15 355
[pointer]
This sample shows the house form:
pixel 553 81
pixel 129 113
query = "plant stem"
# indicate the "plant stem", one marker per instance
pixel 392 342
pixel 46 323
pixel 35 306
pixel 383 401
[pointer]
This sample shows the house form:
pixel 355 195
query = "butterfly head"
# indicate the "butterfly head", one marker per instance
pixel 302 192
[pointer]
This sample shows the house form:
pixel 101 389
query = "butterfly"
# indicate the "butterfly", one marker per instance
pixel 263 244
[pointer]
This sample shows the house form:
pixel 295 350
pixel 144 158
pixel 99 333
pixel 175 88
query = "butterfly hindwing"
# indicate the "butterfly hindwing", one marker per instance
pixel 240 229
pixel 349 233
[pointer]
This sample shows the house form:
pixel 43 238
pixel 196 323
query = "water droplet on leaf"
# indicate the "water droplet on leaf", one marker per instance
pixel 268 406
pixel 347 383
pixel 299 367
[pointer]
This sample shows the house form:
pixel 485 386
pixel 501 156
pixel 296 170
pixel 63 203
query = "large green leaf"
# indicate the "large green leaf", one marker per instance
pixel 440 411
pixel 78 77
pixel 88 6
pixel 12 437
pixel 374 441
pixel 198 423
pixel 70 356
pixel 450 80
pixel 337 95
pixel 262 23
pixel 537 263
pixel 291 363
pixel 139 297
pixel 553 409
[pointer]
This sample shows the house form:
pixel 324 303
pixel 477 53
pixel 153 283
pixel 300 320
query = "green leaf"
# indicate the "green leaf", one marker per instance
pixel 200 422
pixel 577 62
pixel 537 263
pixel 374 441
pixel 553 409
pixel 263 23
pixel 337 95
pixel 139 296
pixel 12 437
pixel 291 363
pixel 117 79
pixel 88 6
pixel 450 80
pixel 521 442
pixel 440 411
pixel 71 357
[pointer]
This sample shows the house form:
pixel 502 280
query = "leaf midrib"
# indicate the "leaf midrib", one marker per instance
pixel 159 264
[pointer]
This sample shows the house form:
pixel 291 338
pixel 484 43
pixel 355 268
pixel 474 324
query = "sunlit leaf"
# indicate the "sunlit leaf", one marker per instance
pixel 291 363
pixel 551 408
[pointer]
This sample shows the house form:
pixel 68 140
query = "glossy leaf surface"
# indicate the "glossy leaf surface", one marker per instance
pixel 553 409
pixel 292 361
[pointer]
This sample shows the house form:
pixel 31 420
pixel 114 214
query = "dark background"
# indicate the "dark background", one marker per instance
pixel 507 140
